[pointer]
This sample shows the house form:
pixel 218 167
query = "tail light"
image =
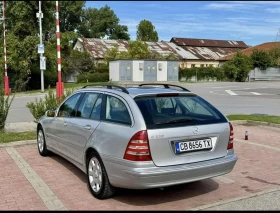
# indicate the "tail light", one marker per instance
pixel 230 141
pixel 138 148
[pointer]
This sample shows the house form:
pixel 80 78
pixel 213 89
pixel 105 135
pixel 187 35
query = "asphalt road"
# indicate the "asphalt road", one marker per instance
pixel 230 98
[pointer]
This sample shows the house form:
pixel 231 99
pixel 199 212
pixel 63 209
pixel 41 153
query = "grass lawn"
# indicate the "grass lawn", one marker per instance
pixel 268 119
pixel 6 137
pixel 66 86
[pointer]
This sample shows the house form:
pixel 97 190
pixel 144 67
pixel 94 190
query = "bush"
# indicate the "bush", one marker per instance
pixel 5 104
pixel 202 73
pixel 238 68
pixel 100 68
pixel 93 77
pixel 39 107
pixel 261 59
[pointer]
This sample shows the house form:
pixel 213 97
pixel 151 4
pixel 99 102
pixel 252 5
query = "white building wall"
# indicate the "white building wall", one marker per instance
pixel 114 70
pixel 78 46
pixel 138 75
pixel 162 74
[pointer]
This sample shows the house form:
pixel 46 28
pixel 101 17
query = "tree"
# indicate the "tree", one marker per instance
pixel 96 22
pixel 146 31
pixel 22 19
pixel 275 56
pixel 79 62
pixel 136 50
pixel 120 32
pixel 261 59
pixel 238 68
pixel 70 13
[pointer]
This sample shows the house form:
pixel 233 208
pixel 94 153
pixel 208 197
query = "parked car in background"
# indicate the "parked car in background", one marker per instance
pixel 150 136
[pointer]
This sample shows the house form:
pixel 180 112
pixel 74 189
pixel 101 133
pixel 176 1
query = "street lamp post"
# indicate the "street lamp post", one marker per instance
pixel 6 78
pixel 42 60
pixel 59 84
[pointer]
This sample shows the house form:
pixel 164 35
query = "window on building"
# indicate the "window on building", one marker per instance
pixel 211 65
pixel 193 65
pixel 201 65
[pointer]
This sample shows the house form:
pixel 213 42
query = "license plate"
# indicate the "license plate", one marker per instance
pixel 189 146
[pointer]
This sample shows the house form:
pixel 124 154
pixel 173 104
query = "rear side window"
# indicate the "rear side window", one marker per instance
pixel 116 111
pixel 85 108
pixel 175 111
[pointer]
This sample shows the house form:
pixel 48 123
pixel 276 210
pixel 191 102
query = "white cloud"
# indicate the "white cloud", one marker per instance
pixel 273 10
pixel 225 6
pixel 241 28
pixel 248 21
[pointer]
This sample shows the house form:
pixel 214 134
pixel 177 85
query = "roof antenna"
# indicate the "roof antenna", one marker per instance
pixel 277 36
pixel 179 32
pixel 238 37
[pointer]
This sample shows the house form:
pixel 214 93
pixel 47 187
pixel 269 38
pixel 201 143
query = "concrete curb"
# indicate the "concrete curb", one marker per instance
pixel 255 123
pixel 219 203
pixel 18 143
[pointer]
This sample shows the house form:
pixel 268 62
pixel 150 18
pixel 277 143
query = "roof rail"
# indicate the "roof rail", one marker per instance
pixel 109 86
pixel 166 86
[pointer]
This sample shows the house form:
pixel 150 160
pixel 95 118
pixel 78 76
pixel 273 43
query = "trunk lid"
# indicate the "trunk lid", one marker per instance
pixel 163 147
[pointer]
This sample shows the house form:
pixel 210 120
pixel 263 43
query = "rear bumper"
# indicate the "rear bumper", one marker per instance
pixel 150 176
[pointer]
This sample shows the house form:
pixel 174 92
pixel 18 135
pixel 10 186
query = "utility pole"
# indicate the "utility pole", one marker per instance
pixel 59 84
pixel 6 81
pixel 41 48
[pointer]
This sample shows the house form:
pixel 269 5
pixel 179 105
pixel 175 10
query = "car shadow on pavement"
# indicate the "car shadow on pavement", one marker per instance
pixel 70 167
pixel 169 194
pixel 148 196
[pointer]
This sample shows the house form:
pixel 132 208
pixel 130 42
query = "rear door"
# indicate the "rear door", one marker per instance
pixel 82 126
pixel 183 129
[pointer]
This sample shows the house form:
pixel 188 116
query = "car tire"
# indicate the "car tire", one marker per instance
pixel 41 143
pixel 98 181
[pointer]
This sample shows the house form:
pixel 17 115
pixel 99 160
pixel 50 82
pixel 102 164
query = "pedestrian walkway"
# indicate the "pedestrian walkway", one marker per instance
pixel 20 126
pixel 31 182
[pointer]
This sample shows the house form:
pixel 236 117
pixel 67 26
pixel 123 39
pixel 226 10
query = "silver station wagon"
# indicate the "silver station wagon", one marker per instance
pixel 149 136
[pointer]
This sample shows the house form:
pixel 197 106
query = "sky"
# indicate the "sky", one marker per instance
pixel 253 22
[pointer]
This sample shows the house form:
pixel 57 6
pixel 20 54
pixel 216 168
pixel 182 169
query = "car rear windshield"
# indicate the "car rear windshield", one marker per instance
pixel 174 111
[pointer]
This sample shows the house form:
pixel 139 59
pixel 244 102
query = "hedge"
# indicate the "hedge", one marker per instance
pixel 93 77
pixel 202 73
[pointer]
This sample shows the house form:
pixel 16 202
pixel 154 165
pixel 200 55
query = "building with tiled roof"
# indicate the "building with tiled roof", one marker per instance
pixel 265 46
pixel 190 52
pixel 207 52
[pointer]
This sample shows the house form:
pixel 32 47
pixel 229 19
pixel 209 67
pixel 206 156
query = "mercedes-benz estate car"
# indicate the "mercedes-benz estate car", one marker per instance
pixel 149 136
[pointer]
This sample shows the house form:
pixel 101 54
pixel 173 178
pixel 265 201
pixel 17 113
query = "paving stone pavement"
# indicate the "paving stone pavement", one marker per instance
pixel 29 181
pixel 45 193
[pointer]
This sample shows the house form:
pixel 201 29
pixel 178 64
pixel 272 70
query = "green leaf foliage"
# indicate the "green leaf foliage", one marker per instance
pixel 23 37
pixel 136 50
pixel 96 22
pixel 202 73
pixel 39 107
pixel 5 104
pixel 261 59
pixel 146 31
pixel 238 68
pixel 93 77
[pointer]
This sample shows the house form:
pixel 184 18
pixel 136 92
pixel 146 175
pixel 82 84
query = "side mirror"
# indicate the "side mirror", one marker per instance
pixel 50 113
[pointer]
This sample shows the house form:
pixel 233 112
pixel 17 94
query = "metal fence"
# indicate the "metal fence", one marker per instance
pixel 270 74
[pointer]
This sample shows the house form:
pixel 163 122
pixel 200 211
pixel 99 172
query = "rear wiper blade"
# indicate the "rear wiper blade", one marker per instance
pixel 176 121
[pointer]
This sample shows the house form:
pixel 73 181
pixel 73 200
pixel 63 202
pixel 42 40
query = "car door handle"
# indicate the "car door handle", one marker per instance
pixel 65 123
pixel 87 127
